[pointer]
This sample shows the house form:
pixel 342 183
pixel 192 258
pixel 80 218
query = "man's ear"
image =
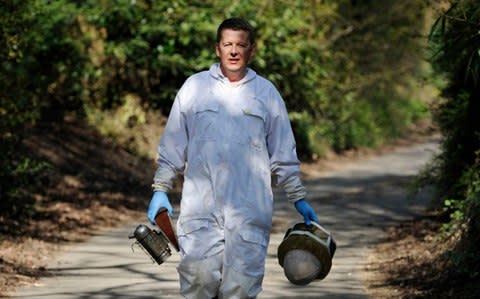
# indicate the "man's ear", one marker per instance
pixel 252 52
pixel 217 49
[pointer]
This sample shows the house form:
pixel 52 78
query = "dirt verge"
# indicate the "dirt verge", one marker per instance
pixel 410 262
pixel 93 185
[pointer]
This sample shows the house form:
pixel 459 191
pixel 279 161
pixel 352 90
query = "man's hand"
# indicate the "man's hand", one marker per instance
pixel 306 210
pixel 159 200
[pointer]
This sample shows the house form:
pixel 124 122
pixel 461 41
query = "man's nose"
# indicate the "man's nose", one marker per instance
pixel 234 51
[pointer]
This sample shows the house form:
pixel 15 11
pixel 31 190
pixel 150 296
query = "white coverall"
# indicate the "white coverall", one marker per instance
pixel 233 139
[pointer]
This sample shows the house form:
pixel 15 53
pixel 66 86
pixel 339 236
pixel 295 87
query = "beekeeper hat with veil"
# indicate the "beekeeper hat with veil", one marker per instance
pixel 306 253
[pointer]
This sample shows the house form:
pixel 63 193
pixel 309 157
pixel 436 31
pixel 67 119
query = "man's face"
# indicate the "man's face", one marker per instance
pixel 234 51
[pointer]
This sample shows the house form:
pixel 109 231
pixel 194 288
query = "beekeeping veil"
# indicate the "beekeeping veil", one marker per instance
pixel 306 253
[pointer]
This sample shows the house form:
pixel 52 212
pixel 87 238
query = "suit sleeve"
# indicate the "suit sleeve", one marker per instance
pixel 281 145
pixel 171 148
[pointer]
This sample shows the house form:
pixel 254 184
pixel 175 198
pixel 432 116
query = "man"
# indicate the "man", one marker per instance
pixel 232 127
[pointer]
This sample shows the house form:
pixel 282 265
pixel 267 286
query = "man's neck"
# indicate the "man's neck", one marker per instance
pixel 233 77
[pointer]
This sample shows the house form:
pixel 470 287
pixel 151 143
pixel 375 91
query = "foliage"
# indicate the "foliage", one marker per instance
pixel 345 68
pixel 147 48
pixel 325 59
pixel 465 224
pixel 455 41
pixel 380 50
pixel 53 57
pixel 456 45
pixel 18 174
pixel 329 63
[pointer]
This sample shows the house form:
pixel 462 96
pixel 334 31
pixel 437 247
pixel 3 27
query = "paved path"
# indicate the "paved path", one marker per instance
pixel 354 203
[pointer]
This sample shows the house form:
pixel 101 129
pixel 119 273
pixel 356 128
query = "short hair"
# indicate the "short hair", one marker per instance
pixel 236 24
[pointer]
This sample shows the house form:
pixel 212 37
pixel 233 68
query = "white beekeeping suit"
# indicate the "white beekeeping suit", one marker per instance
pixel 233 138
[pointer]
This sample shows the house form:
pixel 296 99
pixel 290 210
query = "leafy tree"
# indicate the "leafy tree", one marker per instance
pixel 16 109
pixel 455 41
pixel 378 46
pixel 455 45
pixel 337 63
pixel 340 65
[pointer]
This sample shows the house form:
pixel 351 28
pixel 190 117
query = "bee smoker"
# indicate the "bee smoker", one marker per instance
pixel 155 243
pixel 152 242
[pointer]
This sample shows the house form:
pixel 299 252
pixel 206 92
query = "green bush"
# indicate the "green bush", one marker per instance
pixel 455 46
pixel 465 223
pixel 148 48
pixel 338 64
pixel 18 174
pixel 322 56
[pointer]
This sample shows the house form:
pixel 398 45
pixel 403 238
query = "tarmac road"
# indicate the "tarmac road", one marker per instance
pixel 355 204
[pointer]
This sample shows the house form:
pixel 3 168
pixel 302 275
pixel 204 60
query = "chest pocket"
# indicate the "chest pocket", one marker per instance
pixel 205 123
pixel 252 119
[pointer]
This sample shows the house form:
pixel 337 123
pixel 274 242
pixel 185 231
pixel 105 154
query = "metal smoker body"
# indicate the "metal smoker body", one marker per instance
pixel 153 242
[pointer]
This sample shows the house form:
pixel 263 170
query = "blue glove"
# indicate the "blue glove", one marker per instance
pixel 306 210
pixel 159 200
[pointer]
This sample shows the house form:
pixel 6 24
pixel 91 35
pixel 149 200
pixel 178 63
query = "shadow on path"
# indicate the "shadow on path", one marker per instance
pixel 355 204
